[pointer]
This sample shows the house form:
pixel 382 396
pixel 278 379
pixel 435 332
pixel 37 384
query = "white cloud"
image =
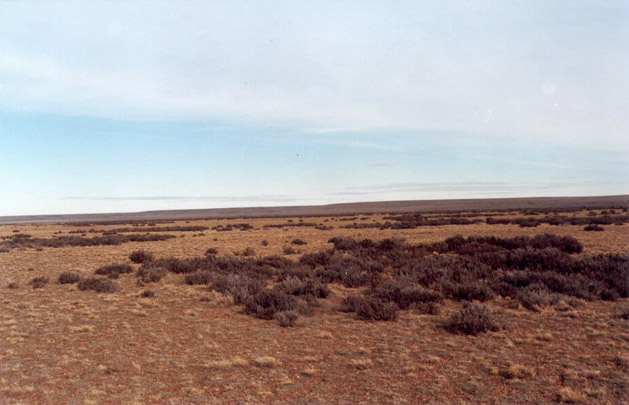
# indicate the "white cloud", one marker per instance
pixel 344 70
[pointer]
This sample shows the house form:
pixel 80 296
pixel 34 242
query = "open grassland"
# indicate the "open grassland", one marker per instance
pixel 338 309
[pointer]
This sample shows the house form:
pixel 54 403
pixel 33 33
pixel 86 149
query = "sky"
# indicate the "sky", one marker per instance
pixel 119 106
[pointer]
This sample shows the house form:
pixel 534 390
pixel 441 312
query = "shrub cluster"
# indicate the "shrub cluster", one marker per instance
pixel 394 275
pixel 26 241
pixel 157 229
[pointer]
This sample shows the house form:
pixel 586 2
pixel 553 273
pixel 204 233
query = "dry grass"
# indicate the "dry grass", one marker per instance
pixel 227 363
pixel 361 364
pixel 266 362
pixel 570 396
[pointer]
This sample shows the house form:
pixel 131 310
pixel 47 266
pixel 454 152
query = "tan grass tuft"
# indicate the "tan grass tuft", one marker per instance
pixel 361 364
pixel 266 361
pixel 570 396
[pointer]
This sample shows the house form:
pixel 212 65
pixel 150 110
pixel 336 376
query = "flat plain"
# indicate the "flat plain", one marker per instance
pixel 182 338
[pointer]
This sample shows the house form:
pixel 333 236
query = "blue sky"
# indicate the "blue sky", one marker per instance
pixel 129 106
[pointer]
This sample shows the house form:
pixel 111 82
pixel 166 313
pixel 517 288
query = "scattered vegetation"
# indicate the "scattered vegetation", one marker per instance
pixel 393 275
pixel 157 229
pixel 26 241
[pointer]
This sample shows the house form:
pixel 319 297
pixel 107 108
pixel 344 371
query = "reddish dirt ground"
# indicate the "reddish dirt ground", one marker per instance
pixel 188 345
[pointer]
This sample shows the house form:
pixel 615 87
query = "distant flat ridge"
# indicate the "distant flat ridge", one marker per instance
pixel 340 209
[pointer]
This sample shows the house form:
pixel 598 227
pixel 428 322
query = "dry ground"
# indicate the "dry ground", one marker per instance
pixel 61 345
